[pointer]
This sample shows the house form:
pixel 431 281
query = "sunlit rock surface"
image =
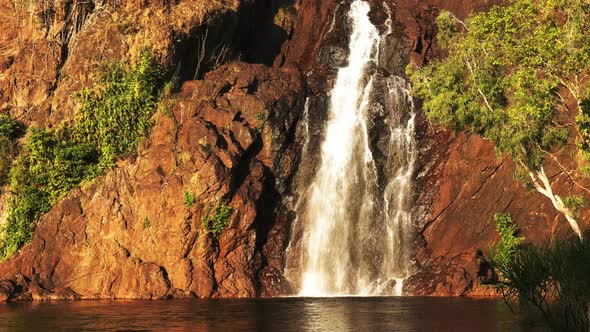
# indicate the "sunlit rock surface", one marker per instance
pixel 235 135
pixel 130 235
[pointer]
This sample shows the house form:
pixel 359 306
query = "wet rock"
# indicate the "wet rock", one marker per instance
pixel 486 273
pixel 67 294
pixel 467 184
pixel 7 290
pixel 275 283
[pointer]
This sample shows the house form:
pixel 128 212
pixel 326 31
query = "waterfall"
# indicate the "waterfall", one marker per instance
pixel 355 217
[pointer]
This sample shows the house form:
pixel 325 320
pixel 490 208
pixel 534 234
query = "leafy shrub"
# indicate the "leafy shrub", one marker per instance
pixel 285 18
pixel 217 223
pixel 6 148
pixel 504 72
pixel 47 170
pixel 116 112
pixel 509 243
pixel 146 223
pixel 20 224
pixel 446 24
pixel 553 280
pixel 189 199
pixel 54 163
pixel 10 130
pixel 574 203
pixel 114 115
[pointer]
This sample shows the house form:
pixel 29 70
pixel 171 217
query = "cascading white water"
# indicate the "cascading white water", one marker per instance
pixel 355 230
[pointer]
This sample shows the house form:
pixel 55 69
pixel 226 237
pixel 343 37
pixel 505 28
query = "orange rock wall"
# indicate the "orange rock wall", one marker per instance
pixel 232 137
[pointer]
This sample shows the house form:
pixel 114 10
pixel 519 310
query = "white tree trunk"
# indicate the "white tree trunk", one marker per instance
pixel 542 185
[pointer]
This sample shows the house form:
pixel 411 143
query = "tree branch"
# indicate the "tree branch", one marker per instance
pixel 568 172
pixel 539 177
pixel 477 87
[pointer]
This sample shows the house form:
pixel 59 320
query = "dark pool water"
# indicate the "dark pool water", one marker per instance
pixel 280 314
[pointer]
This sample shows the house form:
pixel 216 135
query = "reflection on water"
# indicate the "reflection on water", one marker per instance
pixel 281 314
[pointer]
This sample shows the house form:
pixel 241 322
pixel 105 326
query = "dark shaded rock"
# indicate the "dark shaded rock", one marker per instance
pixel 486 274
pixel 7 290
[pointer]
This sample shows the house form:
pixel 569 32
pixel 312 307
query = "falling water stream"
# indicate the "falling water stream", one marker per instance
pixel 356 228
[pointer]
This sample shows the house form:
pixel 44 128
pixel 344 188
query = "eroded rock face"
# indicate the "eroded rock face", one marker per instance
pixel 53 49
pixel 465 183
pixel 131 235
pixel 462 183
pixel 234 137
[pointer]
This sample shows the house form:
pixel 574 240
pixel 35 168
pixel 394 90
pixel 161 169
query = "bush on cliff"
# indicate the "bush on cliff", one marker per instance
pixel 216 223
pixel 517 75
pixel 115 113
pixel 47 169
pixel 189 199
pixel 551 280
pixel 10 131
pixel 509 243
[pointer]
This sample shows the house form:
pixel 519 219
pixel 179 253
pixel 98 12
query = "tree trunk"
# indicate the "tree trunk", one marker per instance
pixel 542 185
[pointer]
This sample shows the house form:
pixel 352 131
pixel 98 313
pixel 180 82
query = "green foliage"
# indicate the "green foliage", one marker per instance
pixel 507 74
pixel 447 29
pixel 509 243
pixel 574 203
pixel 285 18
pixel 10 131
pixel 45 172
pixel 116 112
pixel 583 120
pixel 553 281
pixel 20 224
pixel 217 223
pixel 146 223
pixel 53 163
pixel 261 116
pixel 10 128
pixel 114 115
pixel 6 151
pixel 189 199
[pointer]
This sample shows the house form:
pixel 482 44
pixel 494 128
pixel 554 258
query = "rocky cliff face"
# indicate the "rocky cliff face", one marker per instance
pixel 456 189
pixel 462 183
pixel 55 48
pixel 227 139
pixel 232 136
pixel 460 180
pixel 132 235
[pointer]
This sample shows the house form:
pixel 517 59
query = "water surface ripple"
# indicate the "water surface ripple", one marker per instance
pixel 403 314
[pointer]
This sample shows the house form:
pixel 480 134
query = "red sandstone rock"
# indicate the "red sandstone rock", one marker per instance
pixel 129 235
pixel 231 137
pixel 53 49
